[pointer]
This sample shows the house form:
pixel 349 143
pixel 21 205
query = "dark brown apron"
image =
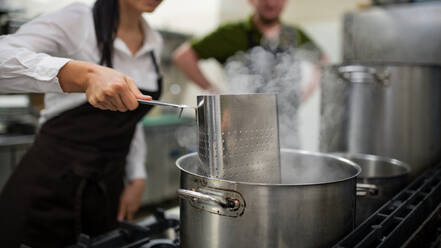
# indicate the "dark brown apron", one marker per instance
pixel 71 179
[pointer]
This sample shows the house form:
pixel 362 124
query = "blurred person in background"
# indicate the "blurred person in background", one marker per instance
pixel 85 170
pixel 263 28
pixel 260 54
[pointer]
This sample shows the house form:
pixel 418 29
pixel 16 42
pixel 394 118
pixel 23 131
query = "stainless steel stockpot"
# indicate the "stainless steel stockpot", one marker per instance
pixel 386 175
pixel 391 110
pixel 313 205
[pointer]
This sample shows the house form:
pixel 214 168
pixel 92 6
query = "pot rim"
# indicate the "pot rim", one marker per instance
pixel 375 158
pixel 327 155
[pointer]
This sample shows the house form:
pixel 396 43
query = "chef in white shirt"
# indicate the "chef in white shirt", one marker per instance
pixel 85 170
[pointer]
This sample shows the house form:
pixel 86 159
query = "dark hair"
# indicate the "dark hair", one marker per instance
pixel 106 19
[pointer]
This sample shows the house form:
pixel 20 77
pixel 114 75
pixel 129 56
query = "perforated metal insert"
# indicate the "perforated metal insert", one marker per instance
pixel 238 137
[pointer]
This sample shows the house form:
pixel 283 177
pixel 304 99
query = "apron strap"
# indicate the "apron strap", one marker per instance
pixel 157 70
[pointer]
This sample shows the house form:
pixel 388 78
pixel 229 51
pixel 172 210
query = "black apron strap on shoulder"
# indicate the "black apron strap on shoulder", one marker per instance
pixel 157 70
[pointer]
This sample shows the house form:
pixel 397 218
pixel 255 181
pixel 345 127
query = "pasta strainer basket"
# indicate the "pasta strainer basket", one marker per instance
pixel 239 137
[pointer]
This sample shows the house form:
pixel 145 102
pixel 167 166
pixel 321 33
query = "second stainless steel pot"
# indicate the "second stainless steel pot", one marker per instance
pixel 312 206
pixel 387 176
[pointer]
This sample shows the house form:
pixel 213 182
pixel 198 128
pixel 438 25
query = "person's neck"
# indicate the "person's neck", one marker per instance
pixel 130 29
pixel 129 18
pixel 270 30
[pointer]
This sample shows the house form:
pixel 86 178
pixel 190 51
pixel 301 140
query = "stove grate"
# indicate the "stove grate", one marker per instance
pixel 411 213
pixel 129 235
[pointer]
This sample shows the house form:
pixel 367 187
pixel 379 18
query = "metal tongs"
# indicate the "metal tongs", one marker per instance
pixel 166 104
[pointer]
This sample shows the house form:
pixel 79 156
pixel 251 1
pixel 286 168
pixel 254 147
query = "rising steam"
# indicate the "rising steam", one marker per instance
pixel 262 71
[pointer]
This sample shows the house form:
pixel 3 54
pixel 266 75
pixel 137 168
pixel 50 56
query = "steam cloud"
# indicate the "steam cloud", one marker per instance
pixel 262 71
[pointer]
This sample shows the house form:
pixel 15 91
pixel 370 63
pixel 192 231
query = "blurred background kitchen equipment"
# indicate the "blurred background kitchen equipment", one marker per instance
pixel 238 137
pixel 312 206
pixel 168 137
pixel 398 106
pixel 400 33
pixel 386 98
pixel 12 149
pixel 18 121
pixel 389 176
pixel 383 109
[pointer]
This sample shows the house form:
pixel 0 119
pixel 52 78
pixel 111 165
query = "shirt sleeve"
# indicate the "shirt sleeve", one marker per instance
pixel 222 43
pixel 135 167
pixel 31 58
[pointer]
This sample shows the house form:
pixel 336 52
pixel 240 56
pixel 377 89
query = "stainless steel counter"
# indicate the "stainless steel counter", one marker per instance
pixel 12 149
pixel 168 138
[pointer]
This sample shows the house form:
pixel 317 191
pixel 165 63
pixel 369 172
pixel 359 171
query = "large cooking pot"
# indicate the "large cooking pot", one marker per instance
pixel 312 206
pixel 386 110
pixel 385 176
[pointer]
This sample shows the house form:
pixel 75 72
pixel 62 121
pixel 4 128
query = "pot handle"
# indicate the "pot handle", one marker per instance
pixel 228 203
pixel 363 74
pixel 367 189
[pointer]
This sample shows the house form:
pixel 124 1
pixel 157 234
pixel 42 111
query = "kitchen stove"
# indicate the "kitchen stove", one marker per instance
pixel 156 232
pixel 412 218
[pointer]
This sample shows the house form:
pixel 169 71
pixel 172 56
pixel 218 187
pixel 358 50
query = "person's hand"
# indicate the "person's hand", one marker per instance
pixel 105 88
pixel 109 89
pixel 130 199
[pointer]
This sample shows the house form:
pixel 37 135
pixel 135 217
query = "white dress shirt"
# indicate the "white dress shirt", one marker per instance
pixel 31 58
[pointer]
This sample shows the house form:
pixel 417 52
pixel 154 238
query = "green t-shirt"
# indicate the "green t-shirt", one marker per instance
pixel 230 38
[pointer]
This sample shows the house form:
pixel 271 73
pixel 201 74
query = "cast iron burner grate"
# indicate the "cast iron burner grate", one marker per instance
pixel 129 235
pixel 411 219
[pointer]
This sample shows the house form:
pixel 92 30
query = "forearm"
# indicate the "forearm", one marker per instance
pixel 73 76
pixel 315 79
pixel 135 168
pixel 186 59
pixel 312 85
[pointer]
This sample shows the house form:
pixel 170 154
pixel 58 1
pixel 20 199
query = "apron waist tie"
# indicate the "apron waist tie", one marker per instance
pixel 79 195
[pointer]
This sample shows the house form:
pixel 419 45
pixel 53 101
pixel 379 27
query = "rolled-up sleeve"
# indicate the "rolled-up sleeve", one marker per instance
pixel 31 58
pixel 22 70
pixel 135 167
